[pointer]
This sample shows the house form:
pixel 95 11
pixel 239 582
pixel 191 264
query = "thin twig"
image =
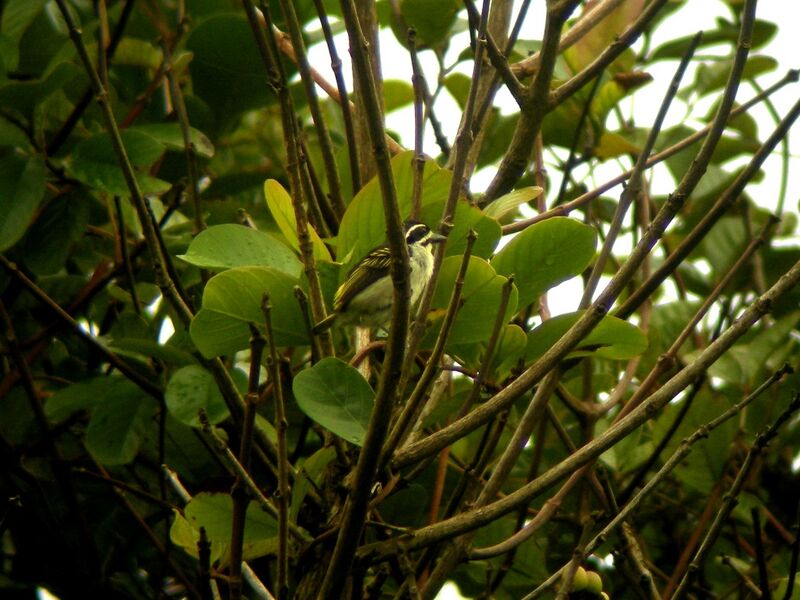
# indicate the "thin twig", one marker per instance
pixel 189 150
pixel 347 111
pixel 323 135
pixel 276 78
pixel 238 491
pixel 632 191
pixel 356 506
pixel 614 49
pixel 473 519
pixel 588 21
pixel 566 208
pixel 281 425
pixel 236 469
pixel 730 500
pixel 680 454
pixel 412 405
pixel 534 107
pixel 730 195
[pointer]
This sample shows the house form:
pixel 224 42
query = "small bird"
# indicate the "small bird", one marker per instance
pixel 365 298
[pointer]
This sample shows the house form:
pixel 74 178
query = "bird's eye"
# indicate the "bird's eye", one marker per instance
pixel 416 233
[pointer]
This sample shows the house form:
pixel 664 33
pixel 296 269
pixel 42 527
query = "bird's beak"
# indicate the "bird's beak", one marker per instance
pixel 435 238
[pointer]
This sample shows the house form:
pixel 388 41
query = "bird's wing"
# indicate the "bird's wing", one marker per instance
pixel 370 269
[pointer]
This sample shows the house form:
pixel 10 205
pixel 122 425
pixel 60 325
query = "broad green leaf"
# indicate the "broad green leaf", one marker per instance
pixel 83 395
pixel 22 187
pixel 136 52
pixel 613 144
pixel 231 245
pixel 458 85
pixel 18 15
pixel 612 338
pixel 139 347
pixel 480 301
pixel 510 349
pixel 763 31
pixel 119 424
pixel 335 395
pixel 589 46
pixel 545 254
pixel 232 300
pixel 217 334
pixel 397 94
pixel 214 512
pixel 190 389
pixel 363 225
pixel 25 96
pixel 712 76
pixel 171 136
pixel 432 19
pixel 280 205
pixel 94 162
pixel 227 72
pixel 51 238
pixel 309 475
pixel 507 205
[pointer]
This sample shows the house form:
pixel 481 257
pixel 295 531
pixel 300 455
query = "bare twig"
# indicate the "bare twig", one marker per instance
pixel 685 447
pixel 356 506
pixel 730 501
pixel 323 136
pixel 281 425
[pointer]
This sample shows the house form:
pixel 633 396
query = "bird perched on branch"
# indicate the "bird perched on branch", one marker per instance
pixel 366 296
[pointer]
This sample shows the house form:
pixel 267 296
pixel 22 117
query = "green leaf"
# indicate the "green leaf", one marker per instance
pixel 546 254
pixel 119 424
pixel 363 225
pixel 510 349
pixel 83 395
pixel 397 94
pixel 214 512
pixel 711 77
pixel 280 205
pixel 18 15
pixel 227 72
pixel 507 205
pixel 22 187
pixel 335 395
pixel 612 338
pixel 309 475
pixel 431 18
pixel 138 347
pixel 94 162
pixel 232 300
pixel 763 31
pixel 190 389
pixel 135 52
pixel 230 245
pixel 171 136
pixel 480 301
pixel 458 85
pixel 25 96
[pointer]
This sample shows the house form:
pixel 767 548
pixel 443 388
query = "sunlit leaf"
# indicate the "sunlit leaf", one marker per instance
pixel 611 338
pixel 280 205
pixel 232 301
pixel 546 254
pixel 231 245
